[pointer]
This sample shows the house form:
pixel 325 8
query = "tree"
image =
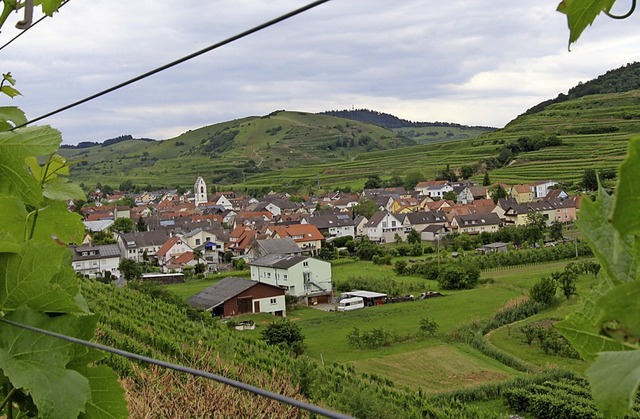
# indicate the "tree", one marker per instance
pixel 285 334
pixel 590 180
pixel 555 231
pixel 412 178
pixel 197 254
pixel 544 291
pixel 413 237
pixel 129 269
pixel 467 171
pixel 366 208
pixel 141 225
pixel 450 196
pixel 102 237
pixel 497 192
pixel 122 225
pixel 454 277
pixel 373 182
pixel 486 181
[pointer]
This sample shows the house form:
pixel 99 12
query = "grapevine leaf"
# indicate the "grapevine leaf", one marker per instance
pixel 15 147
pixel 31 141
pixel 619 310
pixel 9 91
pixel 14 218
pixel 11 116
pixel 49 7
pixel 107 397
pixel 582 327
pixel 8 243
pixel 38 362
pixel 66 279
pixel 14 180
pixel 625 215
pixel 614 379
pixel 582 13
pixel 55 220
pixel 61 189
pixel 26 279
pixel 34 167
pixel 615 252
pixel 9 78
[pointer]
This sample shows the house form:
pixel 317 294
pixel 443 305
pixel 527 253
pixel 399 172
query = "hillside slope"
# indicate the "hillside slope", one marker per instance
pixel 232 151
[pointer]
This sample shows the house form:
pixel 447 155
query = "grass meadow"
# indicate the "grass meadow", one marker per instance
pixel 433 364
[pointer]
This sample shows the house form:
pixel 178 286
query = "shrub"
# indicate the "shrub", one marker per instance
pixel 544 291
pixel 286 334
pixel 458 277
pixel 428 326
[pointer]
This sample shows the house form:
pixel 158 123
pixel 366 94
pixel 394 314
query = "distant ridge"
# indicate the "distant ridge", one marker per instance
pixel 105 143
pixel 619 80
pixel 390 121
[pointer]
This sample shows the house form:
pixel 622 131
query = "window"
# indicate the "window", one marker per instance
pixel 197 242
pixel 285 277
pixel 268 274
pixel 384 224
pixel 273 301
pixel 305 264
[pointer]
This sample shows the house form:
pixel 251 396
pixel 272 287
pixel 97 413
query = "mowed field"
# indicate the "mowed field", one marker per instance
pixel 433 364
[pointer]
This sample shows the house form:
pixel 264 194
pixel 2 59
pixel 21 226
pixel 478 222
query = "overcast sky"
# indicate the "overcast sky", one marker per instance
pixel 467 61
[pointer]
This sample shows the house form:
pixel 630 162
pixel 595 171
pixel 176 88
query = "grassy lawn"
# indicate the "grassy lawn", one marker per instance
pixel 437 367
pixel 511 339
pixel 326 333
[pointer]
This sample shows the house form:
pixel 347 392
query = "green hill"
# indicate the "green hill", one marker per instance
pixel 233 151
pixel 299 152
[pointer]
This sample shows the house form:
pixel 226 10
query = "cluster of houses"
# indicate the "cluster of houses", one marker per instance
pixel 280 239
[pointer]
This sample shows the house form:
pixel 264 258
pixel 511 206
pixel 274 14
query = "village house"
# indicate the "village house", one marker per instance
pixel 174 246
pixel 306 236
pixel 284 246
pixel 383 226
pixel 476 223
pixel 136 245
pixel 307 278
pixel 332 225
pixel 419 220
pixel 102 260
pixel 233 296
pixel 541 188
pixel 521 193
pixel 566 208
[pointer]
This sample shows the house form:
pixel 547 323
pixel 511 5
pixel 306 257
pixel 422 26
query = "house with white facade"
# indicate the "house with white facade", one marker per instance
pixel 383 226
pixel 541 188
pixel 96 260
pixel 307 278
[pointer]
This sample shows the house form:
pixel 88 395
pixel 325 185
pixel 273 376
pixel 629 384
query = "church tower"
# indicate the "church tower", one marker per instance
pixel 200 191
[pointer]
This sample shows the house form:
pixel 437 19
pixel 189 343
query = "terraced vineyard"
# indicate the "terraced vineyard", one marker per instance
pixel 137 323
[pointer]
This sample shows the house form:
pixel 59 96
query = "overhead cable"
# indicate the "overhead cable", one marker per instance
pixel 218 378
pixel 180 60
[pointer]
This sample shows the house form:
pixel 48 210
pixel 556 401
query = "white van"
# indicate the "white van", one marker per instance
pixel 353 303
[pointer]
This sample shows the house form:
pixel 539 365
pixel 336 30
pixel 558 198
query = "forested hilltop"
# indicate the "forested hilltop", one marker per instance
pixel 620 80
pixel 393 122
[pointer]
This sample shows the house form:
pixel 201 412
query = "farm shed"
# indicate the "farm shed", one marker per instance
pixel 233 295
pixel 492 248
pixel 370 298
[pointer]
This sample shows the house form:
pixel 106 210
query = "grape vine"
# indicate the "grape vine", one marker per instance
pixel 40 375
